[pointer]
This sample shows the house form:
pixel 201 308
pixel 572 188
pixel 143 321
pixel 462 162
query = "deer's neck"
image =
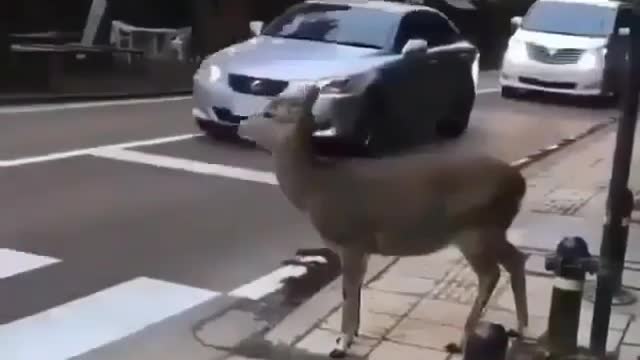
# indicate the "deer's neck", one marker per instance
pixel 294 163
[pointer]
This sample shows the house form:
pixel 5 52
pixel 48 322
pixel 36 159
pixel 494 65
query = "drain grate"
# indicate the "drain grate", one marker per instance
pixel 563 202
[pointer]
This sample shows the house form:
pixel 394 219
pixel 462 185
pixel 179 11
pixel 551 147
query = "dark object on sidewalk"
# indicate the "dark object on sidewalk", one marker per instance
pixel 620 200
pixel 488 341
pixel 570 264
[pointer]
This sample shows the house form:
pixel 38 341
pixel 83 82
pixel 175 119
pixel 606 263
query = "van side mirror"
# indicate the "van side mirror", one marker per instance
pixel 415 46
pixel 256 27
pixel 516 22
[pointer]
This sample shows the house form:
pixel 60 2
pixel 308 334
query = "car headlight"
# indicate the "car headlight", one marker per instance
pixel 591 58
pixel 352 84
pixel 334 86
pixel 214 73
pixel 517 51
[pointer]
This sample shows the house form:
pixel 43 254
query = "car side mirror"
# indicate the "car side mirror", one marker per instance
pixel 415 46
pixel 516 22
pixel 256 27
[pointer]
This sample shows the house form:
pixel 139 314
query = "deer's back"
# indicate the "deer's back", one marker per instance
pixel 413 204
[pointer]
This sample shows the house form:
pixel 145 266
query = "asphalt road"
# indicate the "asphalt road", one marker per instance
pixel 98 218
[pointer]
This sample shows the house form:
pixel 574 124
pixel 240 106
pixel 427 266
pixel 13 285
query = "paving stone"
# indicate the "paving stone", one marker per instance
pixel 628 352
pixel 631 278
pixel 537 324
pixel 434 266
pixel 614 338
pixel 381 302
pixel 373 325
pixel 633 334
pixel 538 289
pixel 402 284
pixel 322 341
pixel 231 328
pixel 389 350
pixel 441 312
pixel 617 321
pixel 425 334
pixel 535 264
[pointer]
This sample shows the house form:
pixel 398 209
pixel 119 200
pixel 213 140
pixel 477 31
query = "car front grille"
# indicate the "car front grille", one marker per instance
pixel 559 57
pixel 256 86
pixel 547 84
pixel 226 115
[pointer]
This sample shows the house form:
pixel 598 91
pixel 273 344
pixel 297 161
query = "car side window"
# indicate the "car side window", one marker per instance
pixel 427 25
pixel 441 31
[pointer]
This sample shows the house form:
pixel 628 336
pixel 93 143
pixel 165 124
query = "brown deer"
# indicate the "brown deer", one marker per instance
pixel 406 205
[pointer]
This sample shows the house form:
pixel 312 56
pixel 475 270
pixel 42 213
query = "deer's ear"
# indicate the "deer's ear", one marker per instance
pixel 311 94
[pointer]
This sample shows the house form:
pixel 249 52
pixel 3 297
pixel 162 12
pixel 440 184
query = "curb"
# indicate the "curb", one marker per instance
pixel 548 150
pixel 305 318
pixel 60 98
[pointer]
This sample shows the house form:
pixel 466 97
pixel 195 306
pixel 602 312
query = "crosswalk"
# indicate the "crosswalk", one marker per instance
pixel 106 316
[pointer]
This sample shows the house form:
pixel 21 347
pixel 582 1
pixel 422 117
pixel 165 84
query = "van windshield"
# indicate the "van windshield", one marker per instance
pixel 570 18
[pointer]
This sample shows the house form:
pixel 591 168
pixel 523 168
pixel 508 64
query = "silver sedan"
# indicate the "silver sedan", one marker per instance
pixel 391 74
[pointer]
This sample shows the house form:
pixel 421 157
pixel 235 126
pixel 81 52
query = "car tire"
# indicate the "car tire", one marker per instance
pixel 457 121
pixel 509 92
pixel 217 132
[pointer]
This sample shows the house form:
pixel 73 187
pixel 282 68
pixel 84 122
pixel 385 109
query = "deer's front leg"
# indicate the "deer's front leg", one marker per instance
pixel 354 267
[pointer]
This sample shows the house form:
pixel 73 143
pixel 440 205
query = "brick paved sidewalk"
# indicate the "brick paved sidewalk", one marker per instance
pixel 419 304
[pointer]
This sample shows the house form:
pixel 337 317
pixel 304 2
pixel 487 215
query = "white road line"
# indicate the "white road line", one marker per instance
pixel 87 151
pixel 198 167
pixel 487 90
pixel 14 262
pixel 85 105
pixel 268 284
pixel 110 315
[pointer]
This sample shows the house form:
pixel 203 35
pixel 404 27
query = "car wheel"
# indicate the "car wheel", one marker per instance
pixel 216 131
pixel 509 92
pixel 457 121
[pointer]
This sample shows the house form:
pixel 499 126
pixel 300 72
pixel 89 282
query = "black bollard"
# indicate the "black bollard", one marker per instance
pixel 488 341
pixel 570 264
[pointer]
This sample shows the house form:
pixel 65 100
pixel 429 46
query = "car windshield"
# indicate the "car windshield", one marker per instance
pixel 570 18
pixel 335 23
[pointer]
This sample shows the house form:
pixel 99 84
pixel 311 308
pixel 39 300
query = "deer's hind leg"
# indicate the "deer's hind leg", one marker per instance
pixel 514 260
pixel 354 267
pixel 481 256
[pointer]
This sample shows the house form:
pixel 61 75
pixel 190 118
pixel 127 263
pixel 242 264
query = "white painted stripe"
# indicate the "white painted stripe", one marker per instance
pixel 567 284
pixel 85 324
pixel 86 104
pixel 87 151
pixel 520 162
pixel 14 262
pixel 188 165
pixel 487 90
pixel 268 284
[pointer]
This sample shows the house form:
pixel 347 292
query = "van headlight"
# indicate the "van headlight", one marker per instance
pixel 592 58
pixel 517 51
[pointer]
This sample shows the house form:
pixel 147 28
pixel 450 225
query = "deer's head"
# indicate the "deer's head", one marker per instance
pixel 281 117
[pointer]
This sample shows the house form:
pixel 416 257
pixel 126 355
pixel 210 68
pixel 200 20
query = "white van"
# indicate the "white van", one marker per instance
pixel 561 46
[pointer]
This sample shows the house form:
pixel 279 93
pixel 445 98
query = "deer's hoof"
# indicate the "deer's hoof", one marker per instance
pixel 453 348
pixel 337 354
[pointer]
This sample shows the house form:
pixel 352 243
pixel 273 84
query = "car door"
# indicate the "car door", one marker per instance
pixel 409 96
pixel 430 82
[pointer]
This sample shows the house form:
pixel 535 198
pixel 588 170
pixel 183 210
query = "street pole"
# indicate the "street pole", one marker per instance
pixel 620 200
